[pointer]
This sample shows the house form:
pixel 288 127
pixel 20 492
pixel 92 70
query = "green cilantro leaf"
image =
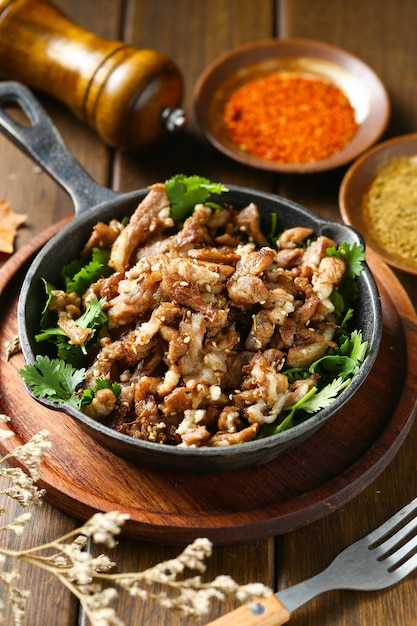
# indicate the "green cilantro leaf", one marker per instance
pixel 93 317
pixel 87 396
pixel 184 192
pixel 355 347
pixel 343 361
pixel 50 334
pixel 82 278
pixel 48 317
pixel 346 294
pixel 49 289
pixel 324 397
pixel 334 364
pixel 347 316
pixel 273 232
pixel 101 383
pixel 78 275
pixel 336 370
pixel 53 379
pixel 287 422
pixel 353 254
pixel 313 401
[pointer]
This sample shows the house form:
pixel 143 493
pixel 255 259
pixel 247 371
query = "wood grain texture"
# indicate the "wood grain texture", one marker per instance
pixel 220 24
pixel 46 524
pixel 29 190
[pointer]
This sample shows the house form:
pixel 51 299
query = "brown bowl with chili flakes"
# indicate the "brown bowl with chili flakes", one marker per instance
pixel 378 197
pixel 291 105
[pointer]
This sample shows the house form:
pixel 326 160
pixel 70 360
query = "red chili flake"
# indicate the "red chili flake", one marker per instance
pixel 290 118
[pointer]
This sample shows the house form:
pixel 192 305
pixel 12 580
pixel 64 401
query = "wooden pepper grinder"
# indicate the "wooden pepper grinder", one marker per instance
pixel 129 96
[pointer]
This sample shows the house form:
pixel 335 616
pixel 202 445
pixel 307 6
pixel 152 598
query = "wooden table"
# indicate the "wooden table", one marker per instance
pixel 193 34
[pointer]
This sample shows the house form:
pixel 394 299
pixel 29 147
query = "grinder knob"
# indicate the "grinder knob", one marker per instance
pixel 131 97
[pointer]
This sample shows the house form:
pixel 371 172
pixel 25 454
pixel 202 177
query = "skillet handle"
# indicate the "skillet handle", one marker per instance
pixel 43 143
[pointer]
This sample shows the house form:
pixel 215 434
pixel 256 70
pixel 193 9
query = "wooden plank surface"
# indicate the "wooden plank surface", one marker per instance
pixel 193 33
pixel 343 456
pixel 379 35
pixel 31 191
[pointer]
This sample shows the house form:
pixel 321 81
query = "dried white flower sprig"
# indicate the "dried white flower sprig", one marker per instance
pixel 23 487
pixel 176 584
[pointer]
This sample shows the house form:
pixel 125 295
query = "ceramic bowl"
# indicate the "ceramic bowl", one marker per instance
pixel 305 57
pixel 355 185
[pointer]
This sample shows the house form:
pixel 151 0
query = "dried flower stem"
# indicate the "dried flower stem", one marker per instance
pixel 89 578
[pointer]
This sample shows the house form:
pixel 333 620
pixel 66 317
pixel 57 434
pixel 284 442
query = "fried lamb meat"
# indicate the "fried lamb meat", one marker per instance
pixel 202 323
pixel 149 219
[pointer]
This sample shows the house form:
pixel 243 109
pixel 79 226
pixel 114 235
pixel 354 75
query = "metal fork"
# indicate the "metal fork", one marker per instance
pixel 379 560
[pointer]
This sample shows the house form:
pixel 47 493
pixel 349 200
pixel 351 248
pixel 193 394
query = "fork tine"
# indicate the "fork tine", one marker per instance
pixel 385 528
pixel 400 554
pixel 406 568
pixel 393 540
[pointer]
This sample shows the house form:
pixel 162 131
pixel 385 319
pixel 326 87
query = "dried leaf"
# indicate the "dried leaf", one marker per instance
pixel 12 347
pixel 9 223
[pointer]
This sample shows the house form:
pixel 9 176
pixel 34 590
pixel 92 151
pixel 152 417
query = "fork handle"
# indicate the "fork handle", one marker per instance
pixel 271 613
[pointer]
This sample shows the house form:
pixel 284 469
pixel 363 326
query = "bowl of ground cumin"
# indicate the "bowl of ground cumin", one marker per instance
pixel 378 196
pixel 291 105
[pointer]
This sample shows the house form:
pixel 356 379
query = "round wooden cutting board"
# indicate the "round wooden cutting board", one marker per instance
pixel 330 468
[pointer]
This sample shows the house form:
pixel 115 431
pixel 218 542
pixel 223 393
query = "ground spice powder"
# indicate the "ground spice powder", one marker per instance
pixel 390 207
pixel 289 118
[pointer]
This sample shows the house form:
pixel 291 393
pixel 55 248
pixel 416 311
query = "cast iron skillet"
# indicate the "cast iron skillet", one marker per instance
pixel 92 203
